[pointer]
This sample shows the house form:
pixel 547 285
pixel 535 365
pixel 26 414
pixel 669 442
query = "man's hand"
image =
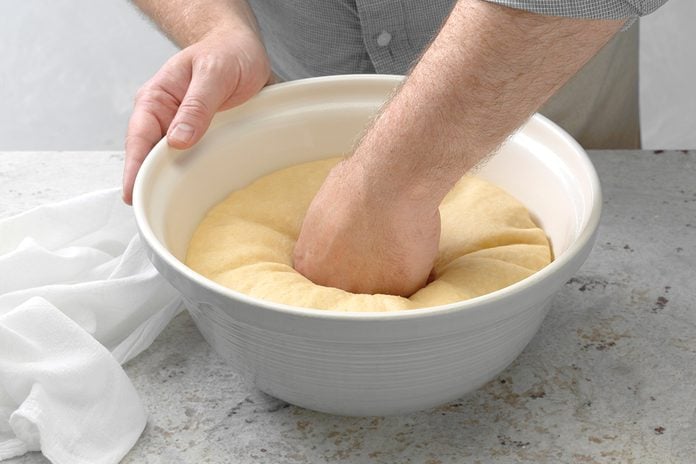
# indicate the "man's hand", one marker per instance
pixel 486 72
pixel 355 230
pixel 224 66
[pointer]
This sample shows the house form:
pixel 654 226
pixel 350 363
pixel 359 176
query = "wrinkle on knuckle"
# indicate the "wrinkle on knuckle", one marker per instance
pixel 151 98
pixel 195 107
pixel 137 146
pixel 208 65
pixel 142 93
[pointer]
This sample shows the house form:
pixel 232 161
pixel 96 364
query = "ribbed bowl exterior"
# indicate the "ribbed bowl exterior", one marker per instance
pixel 369 366
pixel 371 377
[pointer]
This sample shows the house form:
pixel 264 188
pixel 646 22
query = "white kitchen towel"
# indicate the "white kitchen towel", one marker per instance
pixel 77 298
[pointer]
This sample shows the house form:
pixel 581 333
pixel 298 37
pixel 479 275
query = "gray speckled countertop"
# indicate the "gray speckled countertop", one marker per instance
pixel 609 378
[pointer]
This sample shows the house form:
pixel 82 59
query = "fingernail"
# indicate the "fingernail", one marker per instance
pixel 181 133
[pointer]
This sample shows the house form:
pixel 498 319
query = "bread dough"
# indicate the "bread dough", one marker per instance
pixel 488 241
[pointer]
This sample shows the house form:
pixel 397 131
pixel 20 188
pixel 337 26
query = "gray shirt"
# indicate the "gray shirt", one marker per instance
pixel 307 38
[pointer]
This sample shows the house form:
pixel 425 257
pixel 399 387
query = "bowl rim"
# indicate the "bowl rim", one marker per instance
pixel 158 248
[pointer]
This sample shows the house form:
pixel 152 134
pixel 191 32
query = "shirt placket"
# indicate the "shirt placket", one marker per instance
pixel 384 34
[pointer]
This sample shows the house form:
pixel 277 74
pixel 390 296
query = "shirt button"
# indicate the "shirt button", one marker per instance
pixel 384 38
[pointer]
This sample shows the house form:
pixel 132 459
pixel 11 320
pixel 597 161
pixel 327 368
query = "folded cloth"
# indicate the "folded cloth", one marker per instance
pixel 77 297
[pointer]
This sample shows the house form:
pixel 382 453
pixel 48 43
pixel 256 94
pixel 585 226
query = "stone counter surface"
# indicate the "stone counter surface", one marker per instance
pixel 609 378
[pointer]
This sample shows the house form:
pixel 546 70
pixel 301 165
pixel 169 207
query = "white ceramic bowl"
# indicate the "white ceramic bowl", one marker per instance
pixel 359 363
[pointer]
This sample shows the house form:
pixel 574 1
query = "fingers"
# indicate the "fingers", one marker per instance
pixel 153 111
pixel 179 101
pixel 206 93
pixel 182 98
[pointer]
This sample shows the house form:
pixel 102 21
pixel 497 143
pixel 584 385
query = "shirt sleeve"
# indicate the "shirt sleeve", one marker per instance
pixel 586 9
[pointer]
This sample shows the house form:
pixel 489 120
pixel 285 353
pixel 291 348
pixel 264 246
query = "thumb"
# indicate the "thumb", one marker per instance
pixel 203 98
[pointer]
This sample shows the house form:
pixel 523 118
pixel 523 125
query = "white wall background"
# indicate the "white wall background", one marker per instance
pixel 69 70
pixel 668 76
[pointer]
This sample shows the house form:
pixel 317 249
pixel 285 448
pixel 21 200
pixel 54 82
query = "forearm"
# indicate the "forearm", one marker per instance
pixel 187 22
pixel 486 72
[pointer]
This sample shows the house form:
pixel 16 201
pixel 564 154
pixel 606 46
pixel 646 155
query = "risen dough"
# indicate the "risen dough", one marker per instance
pixel 488 242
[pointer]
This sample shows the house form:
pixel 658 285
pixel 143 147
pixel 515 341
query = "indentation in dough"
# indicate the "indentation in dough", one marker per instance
pixel 488 241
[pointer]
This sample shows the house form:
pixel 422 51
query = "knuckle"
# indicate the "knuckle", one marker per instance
pixel 195 107
pixel 153 95
pixel 147 96
pixel 136 146
pixel 144 96
pixel 208 64
pixel 149 88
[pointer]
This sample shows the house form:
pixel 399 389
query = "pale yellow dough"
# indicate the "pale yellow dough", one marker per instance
pixel 488 242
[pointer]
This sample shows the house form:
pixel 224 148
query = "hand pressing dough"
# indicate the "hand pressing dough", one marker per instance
pixel 488 241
